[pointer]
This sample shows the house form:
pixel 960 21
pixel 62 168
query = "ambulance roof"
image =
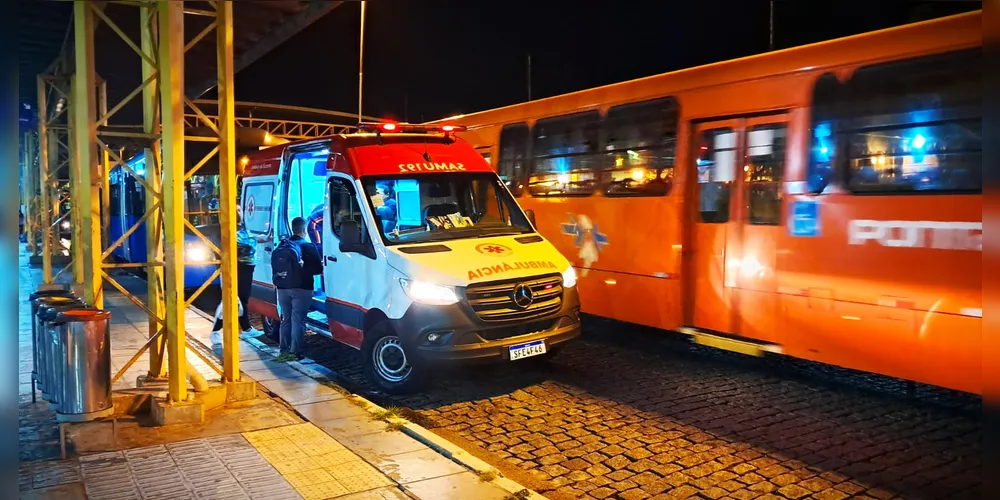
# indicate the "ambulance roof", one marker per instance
pixel 372 154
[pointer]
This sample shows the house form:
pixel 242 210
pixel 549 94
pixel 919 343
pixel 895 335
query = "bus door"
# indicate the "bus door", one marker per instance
pixel 736 216
pixel 712 234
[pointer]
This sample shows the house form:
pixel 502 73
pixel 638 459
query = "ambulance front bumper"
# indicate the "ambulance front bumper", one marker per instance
pixel 454 333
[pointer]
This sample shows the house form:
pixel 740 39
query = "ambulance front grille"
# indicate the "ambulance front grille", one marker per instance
pixel 494 302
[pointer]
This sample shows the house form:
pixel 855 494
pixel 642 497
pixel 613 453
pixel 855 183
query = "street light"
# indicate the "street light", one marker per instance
pixel 361 58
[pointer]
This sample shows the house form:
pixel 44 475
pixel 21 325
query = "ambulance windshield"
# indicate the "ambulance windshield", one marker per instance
pixel 443 206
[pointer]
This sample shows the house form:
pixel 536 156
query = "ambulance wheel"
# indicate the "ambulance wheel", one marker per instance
pixel 269 327
pixel 387 364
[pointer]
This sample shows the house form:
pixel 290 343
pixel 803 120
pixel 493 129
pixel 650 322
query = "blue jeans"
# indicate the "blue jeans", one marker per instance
pixel 294 304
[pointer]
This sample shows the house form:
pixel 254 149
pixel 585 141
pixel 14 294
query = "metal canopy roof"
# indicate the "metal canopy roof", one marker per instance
pixel 45 32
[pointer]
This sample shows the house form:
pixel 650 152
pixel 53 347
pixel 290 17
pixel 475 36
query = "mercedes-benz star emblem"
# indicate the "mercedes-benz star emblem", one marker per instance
pixel 522 296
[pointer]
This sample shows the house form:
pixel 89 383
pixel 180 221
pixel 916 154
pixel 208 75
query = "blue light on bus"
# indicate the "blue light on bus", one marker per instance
pixel 918 141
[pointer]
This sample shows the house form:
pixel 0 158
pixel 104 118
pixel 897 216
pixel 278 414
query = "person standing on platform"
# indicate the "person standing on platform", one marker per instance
pixel 294 265
pixel 246 254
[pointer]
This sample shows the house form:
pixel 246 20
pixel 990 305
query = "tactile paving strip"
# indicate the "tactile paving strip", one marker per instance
pixel 224 467
pixel 314 463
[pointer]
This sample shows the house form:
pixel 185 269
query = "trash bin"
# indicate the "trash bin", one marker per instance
pixel 36 299
pixel 84 351
pixel 40 350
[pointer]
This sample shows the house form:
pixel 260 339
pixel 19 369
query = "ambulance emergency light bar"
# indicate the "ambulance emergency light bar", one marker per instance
pixel 406 128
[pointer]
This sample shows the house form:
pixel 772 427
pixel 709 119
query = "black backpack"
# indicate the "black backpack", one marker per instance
pixel 286 265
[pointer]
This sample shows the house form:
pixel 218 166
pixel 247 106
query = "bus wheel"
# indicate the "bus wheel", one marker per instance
pixel 387 365
pixel 270 327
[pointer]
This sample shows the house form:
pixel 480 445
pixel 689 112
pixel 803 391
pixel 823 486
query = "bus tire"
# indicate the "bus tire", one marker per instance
pixel 388 366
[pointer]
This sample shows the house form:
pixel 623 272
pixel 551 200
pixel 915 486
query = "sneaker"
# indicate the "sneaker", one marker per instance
pixel 252 332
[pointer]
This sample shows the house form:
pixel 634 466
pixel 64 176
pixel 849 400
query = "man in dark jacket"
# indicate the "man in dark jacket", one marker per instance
pixel 295 302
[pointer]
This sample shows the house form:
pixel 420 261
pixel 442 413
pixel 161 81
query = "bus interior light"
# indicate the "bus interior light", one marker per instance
pixel 918 141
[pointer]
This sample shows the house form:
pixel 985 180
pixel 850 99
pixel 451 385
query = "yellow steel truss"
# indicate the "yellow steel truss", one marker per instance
pixel 53 156
pixel 161 49
pixel 74 130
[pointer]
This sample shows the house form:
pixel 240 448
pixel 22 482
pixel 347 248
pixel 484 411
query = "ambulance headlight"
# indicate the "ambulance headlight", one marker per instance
pixel 569 277
pixel 429 293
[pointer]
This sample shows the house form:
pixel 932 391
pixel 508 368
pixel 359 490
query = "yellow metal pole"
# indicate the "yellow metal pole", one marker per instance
pixel 154 177
pixel 45 219
pixel 28 171
pixel 170 17
pixel 88 204
pixel 105 174
pixel 227 191
pixel 76 215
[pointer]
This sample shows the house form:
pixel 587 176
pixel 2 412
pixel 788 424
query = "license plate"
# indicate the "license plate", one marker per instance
pixel 528 350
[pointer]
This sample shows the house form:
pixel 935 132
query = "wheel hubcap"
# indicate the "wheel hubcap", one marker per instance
pixel 389 359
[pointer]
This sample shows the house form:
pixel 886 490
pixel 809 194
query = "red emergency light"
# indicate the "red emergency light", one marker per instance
pixel 406 128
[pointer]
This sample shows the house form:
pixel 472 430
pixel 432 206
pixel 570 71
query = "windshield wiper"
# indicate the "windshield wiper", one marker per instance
pixel 505 232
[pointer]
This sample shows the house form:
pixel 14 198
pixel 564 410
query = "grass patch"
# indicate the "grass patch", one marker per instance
pixel 387 413
pixel 487 476
pixel 395 425
pixel 518 495
pixel 331 384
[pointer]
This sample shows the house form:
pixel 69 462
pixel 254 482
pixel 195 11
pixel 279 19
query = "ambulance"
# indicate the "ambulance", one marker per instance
pixel 427 258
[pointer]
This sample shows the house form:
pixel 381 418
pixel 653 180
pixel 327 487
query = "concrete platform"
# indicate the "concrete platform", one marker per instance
pixel 297 438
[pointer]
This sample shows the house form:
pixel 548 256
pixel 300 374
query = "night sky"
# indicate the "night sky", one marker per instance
pixel 426 59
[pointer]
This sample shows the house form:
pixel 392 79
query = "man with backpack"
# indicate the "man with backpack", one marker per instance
pixel 294 263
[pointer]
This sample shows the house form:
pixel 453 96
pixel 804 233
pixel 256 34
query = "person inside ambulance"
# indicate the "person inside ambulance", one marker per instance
pixel 386 211
pixel 314 226
pixel 314 229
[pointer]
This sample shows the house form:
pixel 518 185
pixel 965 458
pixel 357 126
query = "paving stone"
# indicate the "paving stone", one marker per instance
pixel 619 400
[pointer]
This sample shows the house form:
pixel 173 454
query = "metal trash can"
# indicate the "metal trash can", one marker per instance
pixel 84 352
pixel 36 299
pixel 43 358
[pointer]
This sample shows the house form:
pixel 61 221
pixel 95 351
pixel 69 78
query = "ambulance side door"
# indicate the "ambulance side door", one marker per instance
pixel 347 274
pixel 258 200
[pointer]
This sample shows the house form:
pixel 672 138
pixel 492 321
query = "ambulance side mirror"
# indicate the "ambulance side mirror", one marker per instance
pixel 350 237
pixel 530 214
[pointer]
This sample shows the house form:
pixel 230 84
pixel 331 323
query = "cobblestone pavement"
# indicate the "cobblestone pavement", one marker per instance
pixel 647 415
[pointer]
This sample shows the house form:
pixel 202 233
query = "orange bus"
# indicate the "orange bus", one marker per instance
pixel 822 202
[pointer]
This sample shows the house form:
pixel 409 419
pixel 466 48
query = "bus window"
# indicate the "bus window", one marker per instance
pixel 485 153
pixel 115 194
pixel 640 148
pixel 764 172
pixel 912 126
pixel 943 157
pixel 716 173
pixel 565 155
pixel 136 197
pixel 513 156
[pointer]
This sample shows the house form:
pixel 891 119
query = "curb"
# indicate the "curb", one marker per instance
pixel 437 443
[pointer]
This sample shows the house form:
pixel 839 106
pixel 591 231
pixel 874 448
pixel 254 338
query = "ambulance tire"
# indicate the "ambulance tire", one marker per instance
pixel 388 366
pixel 269 327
